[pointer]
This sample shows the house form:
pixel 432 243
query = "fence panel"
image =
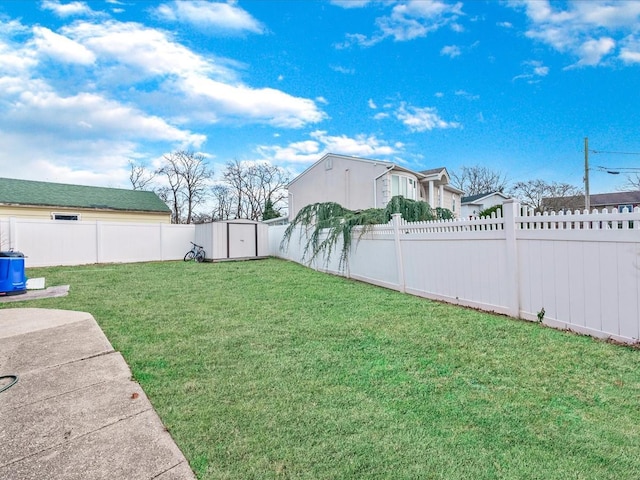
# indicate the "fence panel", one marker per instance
pixel 122 243
pixel 175 240
pixel 45 242
pixel 50 243
pixel 383 271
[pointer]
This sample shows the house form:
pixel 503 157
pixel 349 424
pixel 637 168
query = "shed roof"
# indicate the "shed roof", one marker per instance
pixel 33 193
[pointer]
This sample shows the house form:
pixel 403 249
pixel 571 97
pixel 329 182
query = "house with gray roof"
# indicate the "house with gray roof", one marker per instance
pixel 65 202
pixel 472 205
pixel 611 201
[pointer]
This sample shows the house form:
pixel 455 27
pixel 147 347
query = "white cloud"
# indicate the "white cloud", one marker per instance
pixel 141 49
pixel 321 143
pixel 630 51
pixel 409 20
pixel 592 51
pixel 467 95
pixel 421 119
pixel 534 71
pixel 452 51
pixel 14 60
pixel 350 3
pixel 372 104
pixel 212 16
pixel 68 9
pixel 77 116
pixel 61 48
pixel 210 91
pixel 588 31
pixel 381 116
pixel 340 69
pixel 263 105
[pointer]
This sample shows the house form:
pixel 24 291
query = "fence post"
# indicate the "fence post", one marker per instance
pixel 396 218
pixel 510 209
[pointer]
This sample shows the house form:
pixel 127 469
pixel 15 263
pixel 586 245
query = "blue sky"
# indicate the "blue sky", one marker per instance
pixel 86 87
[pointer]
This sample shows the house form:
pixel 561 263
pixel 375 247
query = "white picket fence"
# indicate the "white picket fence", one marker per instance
pixel 583 268
pixel 48 243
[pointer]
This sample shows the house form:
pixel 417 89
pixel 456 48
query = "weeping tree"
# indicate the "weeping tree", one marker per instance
pixel 328 222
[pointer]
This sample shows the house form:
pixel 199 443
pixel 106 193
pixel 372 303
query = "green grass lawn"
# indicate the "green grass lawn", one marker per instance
pixel 266 369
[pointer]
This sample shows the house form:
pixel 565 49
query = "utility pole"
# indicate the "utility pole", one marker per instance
pixel 587 199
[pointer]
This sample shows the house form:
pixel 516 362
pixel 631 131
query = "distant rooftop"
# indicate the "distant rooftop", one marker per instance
pixel 28 192
pixel 473 198
pixel 616 198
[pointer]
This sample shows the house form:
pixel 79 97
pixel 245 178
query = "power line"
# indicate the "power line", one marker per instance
pixel 617 168
pixel 615 153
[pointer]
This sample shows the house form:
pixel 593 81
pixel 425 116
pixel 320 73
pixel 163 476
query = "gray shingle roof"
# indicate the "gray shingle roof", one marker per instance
pixel 28 192
pixel 616 198
pixel 473 198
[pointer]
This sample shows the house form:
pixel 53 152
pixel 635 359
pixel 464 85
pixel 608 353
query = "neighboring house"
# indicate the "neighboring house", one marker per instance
pixel 474 204
pixel 359 183
pixel 57 201
pixel 616 200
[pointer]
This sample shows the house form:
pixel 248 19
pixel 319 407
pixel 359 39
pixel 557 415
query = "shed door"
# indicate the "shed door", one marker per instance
pixel 242 240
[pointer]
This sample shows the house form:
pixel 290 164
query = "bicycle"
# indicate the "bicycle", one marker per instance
pixel 196 253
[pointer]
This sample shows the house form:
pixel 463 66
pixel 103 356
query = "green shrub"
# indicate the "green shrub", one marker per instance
pixel 487 212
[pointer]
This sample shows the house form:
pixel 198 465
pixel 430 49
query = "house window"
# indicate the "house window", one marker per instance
pixel 65 216
pixel 625 208
pixel 328 164
pixel 453 205
pixel 405 186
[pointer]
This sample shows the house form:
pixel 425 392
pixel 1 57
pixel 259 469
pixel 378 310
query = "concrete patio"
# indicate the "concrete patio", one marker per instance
pixel 75 413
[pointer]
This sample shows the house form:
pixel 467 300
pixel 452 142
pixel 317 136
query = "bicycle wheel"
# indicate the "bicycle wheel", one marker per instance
pixel 189 256
pixel 200 256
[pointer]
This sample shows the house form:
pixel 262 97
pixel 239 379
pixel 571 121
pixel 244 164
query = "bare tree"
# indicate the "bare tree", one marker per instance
pixel 252 185
pixel 632 183
pixel 140 177
pixel 195 174
pixel 172 194
pixel 543 196
pixel 222 202
pixel 187 174
pixel 477 179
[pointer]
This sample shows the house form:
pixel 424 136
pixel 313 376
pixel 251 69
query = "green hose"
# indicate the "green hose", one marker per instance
pixel 10 384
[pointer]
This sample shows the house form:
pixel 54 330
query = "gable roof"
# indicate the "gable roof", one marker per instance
pixel 433 171
pixel 481 196
pixel 336 155
pixel 28 192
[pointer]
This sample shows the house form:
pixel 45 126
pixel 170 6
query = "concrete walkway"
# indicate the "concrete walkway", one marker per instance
pixel 75 413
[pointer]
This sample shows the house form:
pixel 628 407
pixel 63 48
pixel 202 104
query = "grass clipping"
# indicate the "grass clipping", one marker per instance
pixel 327 222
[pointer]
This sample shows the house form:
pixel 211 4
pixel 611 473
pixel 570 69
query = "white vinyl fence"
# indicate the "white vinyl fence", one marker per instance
pixel 583 269
pixel 49 243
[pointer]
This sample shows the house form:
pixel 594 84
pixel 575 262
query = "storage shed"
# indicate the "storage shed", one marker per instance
pixel 233 239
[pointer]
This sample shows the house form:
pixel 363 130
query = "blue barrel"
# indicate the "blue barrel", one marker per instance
pixel 13 280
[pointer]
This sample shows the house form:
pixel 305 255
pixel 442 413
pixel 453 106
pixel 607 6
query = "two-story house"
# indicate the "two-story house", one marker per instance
pixel 359 183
